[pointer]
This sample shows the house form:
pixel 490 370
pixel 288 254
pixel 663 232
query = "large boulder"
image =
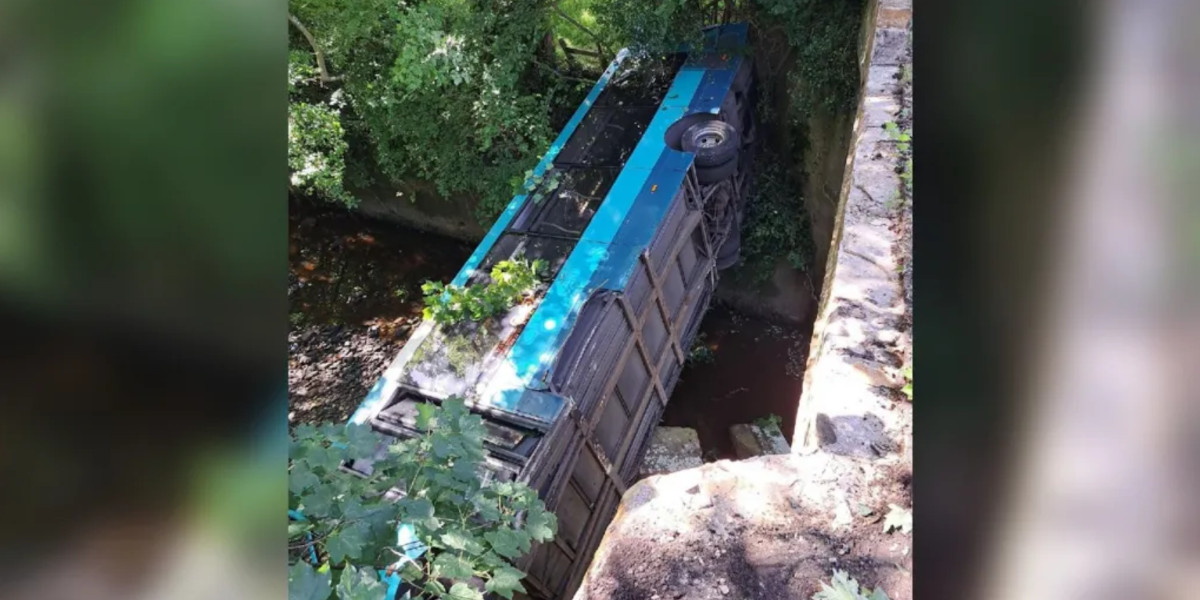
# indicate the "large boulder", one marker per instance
pixel 671 449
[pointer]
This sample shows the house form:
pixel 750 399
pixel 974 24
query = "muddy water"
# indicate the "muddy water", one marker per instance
pixel 741 370
pixel 354 296
pixel 357 272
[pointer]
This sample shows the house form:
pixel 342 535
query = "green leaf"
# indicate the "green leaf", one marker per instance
pixel 842 587
pixel 504 582
pixel 458 539
pixel 304 431
pixel 443 447
pixel 436 586
pixel 486 507
pixel 541 524
pixel 471 428
pixel 508 543
pixel 319 502
pixel 409 571
pixel 306 584
pixel 452 567
pixel 300 478
pixel 361 440
pixel 360 584
pixel 327 459
pixel 466 470
pixel 347 542
pixel 352 508
pixel 419 511
pixel 425 416
pixel 298 528
pixel 454 407
pixel 462 591
pixel 415 509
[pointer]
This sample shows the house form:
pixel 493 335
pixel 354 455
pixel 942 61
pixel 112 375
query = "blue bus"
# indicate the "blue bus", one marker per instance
pixel 634 210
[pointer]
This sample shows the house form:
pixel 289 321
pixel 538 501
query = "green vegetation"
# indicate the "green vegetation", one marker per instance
pixel 465 94
pixel 822 38
pixel 907 390
pixel 456 93
pixel 810 47
pixel 471 528
pixel 777 226
pixel 316 141
pixel 771 421
pixel 700 353
pixel 509 282
pixel 844 587
pixel 903 139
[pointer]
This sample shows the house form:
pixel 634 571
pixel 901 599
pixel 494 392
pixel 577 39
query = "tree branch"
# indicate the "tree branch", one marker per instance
pixel 560 73
pixel 325 77
pixel 571 50
pixel 572 21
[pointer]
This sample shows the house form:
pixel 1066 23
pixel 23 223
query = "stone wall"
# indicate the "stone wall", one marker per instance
pixel 862 335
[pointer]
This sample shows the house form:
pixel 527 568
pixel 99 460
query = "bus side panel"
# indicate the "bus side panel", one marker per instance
pixel 619 368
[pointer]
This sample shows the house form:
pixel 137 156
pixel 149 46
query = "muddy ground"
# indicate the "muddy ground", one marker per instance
pixel 765 528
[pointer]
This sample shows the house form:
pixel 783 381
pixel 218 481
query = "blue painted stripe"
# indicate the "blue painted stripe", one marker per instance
pixel 636 232
pixel 312 550
pixel 374 400
pixel 514 205
pixel 715 86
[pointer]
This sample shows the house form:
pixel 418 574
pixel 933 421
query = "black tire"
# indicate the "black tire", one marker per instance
pixel 708 175
pixel 713 142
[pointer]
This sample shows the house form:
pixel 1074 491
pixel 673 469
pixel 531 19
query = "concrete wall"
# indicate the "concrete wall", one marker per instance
pixel 861 338
pixel 420 206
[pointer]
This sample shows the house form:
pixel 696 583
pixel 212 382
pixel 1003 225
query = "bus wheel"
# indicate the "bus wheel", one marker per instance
pixel 714 142
pixel 707 175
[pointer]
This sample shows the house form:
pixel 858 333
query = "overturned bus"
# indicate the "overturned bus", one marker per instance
pixel 633 210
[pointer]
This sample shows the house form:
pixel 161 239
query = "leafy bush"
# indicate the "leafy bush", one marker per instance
pixel 823 36
pixel 317 151
pixel 457 93
pixel 509 282
pixel 654 27
pixel 471 528
pixel 843 587
pixel 777 225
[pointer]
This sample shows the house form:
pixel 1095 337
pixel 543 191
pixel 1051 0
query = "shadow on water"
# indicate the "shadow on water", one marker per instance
pixel 352 271
pixel 354 295
pixel 752 368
